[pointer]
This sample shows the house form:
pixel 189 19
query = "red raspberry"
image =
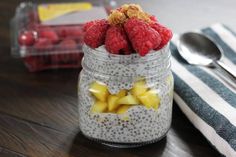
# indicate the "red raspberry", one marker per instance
pixel 75 32
pixel 62 31
pixel 116 41
pixel 70 32
pixel 90 23
pixel 26 38
pixel 142 36
pixel 43 44
pixel 68 44
pixel 165 33
pixel 49 34
pixel 153 18
pixel 95 35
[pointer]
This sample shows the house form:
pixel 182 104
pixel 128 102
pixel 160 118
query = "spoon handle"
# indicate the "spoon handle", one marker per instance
pixel 229 71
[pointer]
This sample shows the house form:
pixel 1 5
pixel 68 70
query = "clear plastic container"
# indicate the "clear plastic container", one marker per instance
pixel 125 100
pixel 48 45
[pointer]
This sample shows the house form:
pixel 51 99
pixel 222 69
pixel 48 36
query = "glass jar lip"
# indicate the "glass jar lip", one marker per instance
pixel 100 61
pixel 104 53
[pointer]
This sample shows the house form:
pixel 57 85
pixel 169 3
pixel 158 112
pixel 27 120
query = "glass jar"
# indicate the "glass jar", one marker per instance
pixel 125 100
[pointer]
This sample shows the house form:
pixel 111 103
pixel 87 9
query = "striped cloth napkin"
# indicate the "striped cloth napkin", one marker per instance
pixel 207 101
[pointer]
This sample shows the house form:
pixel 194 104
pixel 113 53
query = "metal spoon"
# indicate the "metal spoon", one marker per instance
pixel 198 49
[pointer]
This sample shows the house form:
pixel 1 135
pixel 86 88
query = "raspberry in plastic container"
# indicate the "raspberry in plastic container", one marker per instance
pixel 50 36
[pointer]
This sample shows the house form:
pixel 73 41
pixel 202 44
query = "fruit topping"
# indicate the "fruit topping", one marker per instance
pixel 90 23
pixel 142 36
pixel 116 41
pixel 127 30
pixel 164 32
pixel 95 34
pixel 153 18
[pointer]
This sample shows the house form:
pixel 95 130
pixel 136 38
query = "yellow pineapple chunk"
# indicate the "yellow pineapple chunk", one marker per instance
pixel 99 107
pixel 139 88
pixel 99 90
pixel 122 93
pixel 150 99
pixel 122 109
pixel 128 100
pixel 112 105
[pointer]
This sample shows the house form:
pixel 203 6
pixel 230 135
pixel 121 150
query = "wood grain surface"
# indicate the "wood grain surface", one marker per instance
pixel 39 118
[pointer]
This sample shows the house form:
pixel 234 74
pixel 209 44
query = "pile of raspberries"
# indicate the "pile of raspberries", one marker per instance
pixel 127 30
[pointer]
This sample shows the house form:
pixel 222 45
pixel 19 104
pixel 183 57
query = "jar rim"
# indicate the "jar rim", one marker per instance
pixel 102 63
pixel 104 53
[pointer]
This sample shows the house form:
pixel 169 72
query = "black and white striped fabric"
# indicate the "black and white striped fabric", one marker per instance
pixel 207 101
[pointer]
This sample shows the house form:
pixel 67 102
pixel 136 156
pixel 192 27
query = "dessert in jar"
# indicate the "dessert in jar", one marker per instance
pixel 125 89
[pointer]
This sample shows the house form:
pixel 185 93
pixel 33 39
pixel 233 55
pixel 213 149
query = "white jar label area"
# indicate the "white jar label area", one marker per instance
pixel 139 112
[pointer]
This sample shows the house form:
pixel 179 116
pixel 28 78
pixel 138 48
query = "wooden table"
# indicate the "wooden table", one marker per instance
pixel 39 118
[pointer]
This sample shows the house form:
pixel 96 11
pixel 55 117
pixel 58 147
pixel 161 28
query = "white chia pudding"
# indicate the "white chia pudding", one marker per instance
pixel 139 125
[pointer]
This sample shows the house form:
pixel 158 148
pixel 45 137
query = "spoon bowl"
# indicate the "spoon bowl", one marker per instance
pixel 198 49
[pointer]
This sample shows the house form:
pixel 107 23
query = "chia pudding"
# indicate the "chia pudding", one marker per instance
pixel 125 97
